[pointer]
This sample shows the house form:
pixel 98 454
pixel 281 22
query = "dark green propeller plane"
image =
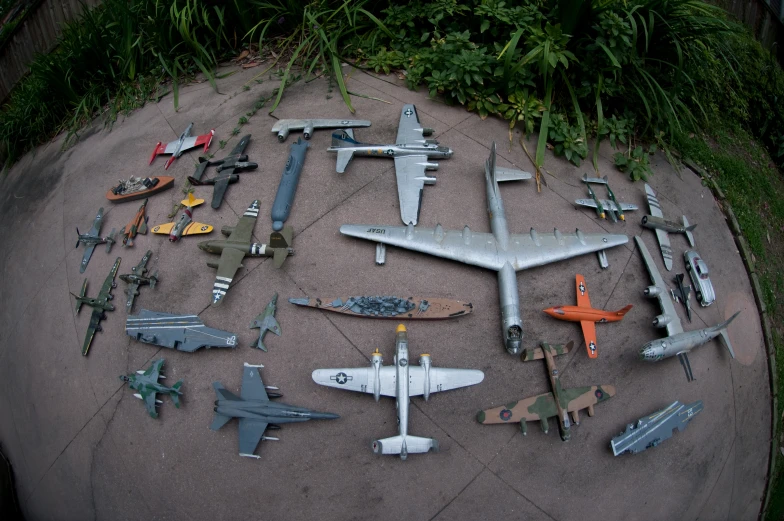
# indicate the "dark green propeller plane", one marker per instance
pixel 100 305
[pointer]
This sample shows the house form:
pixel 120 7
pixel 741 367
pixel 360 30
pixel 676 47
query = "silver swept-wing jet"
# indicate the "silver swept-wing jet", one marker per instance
pixel 498 250
pixel 307 126
pixel 677 342
pixel 411 152
pixel 400 381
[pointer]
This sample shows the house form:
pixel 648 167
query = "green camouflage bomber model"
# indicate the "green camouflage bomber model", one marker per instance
pixel 146 382
pixel 100 305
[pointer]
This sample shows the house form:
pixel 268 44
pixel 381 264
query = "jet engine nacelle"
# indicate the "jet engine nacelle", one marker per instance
pixel 662 320
pixel 424 361
pixel 652 291
pixel 376 362
pixel 308 130
pixel 227 230
pixel 431 166
pixel 427 131
pixel 283 133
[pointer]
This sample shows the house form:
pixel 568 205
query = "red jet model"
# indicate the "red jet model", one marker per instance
pixel 178 146
pixel 586 316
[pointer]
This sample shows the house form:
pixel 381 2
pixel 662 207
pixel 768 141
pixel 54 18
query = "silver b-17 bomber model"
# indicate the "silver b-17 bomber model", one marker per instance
pixel 656 222
pixel 655 428
pixel 411 153
pixel 256 412
pixel 678 342
pixel 146 382
pixel 181 332
pixel 499 250
pixel 138 278
pixel 400 381
pixel 307 126
pixel 92 239
pixel 100 305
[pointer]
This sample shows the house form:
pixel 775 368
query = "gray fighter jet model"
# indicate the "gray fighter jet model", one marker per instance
pixel 100 305
pixel 656 222
pixel 92 239
pixel 307 126
pixel 498 250
pixel 655 428
pixel 256 412
pixel 146 382
pixel 401 381
pixel 678 342
pixel 181 332
pixel 228 171
pixel 265 321
pixel 411 154
pixel 138 278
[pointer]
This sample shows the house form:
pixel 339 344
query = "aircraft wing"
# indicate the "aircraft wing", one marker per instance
pixel 529 409
pixel 244 229
pixel 220 187
pixel 188 143
pixel 661 235
pixel 668 308
pixel 590 203
pixel 589 333
pixel 409 130
pixel 582 292
pixel 251 431
pixel 252 386
pixel 163 228
pixel 441 379
pixel 154 370
pixel 141 268
pixel 88 252
pixel 610 205
pixel 230 262
pixel 240 147
pixel 410 172
pixel 579 398
pixel 96 224
pixel 149 402
pixel 109 283
pixel 95 320
pixel 299 124
pixel 361 379
pixel 131 291
pixel 195 228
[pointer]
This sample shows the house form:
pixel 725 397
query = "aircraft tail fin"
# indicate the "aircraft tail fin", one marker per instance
pixel 191 201
pixel 110 240
pixel 77 240
pixel 684 358
pixel 405 445
pixel 153 280
pixel 219 421
pixel 344 138
pixel 81 295
pixel 223 393
pixel 344 158
pixel 689 235
pixel 175 394
pixel 501 174
pixel 722 329
pixel 622 312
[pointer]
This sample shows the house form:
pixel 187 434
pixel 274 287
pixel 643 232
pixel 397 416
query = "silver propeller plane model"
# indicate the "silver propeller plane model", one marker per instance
pixel 137 278
pixel 100 305
pixel 92 239
pixel 400 381
pixel 656 222
pixel 498 250
pixel 411 152
pixel 183 143
pixel 256 412
pixel 678 342
pixel 146 382
pixel 307 126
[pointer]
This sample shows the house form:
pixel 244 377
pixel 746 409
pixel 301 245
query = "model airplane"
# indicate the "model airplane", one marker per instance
pixel 499 250
pixel 559 403
pixel 604 206
pixel 401 381
pixel 682 293
pixel 184 143
pixel 307 126
pixel 387 306
pixel 137 225
pixel 181 332
pixel 92 239
pixel 238 245
pixel 287 188
pixel 656 222
pixel 412 154
pixel 586 316
pixel 146 382
pixel 138 278
pixel 229 169
pixel 678 342
pixel 266 321
pixel 256 412
pixel 100 305
pixel 655 428
pixel 186 225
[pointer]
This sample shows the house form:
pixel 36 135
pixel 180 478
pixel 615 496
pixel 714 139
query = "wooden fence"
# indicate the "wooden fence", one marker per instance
pixel 765 18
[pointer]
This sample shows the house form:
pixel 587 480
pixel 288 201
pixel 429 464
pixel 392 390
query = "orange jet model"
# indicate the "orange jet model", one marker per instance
pixel 586 316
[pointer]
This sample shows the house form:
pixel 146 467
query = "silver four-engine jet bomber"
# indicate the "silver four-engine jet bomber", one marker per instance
pixel 138 278
pixel 181 332
pixel 146 382
pixel 92 239
pixel 498 250
pixel 655 428
pixel 100 305
pixel 308 126
pixel 411 153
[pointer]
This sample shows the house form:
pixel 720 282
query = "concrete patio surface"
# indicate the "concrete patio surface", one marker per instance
pixel 83 448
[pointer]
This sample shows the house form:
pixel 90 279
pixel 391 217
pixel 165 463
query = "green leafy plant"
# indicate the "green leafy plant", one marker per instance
pixel 636 162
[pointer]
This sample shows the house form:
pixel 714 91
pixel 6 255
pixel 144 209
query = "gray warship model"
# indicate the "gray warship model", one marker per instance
pixel 655 428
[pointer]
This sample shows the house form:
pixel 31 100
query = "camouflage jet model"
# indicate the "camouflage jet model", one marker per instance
pixel 656 222
pixel 184 143
pixel 186 225
pixel 266 321
pixel 307 126
pixel 146 382
pixel 92 239
pixel 411 154
pixel 137 225
pixel 586 316
pixel 655 428
pixel 557 403
pixel 228 171
pixel 138 278
pixel 499 250
pixel 401 381
pixel 100 305
pixel 181 332
pixel 677 342
pixel 256 412
pixel 238 245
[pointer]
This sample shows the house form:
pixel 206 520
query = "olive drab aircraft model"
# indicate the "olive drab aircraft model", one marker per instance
pixel 146 382
pixel 186 225
pixel 411 153
pixel 99 304
pixel 137 225
pixel 92 239
pixel 560 403
pixel 184 143
pixel 400 381
pixel 256 412
pixel 137 278
pixel 238 245
pixel 678 342
pixel 307 126
pixel 656 222
pixel 229 169
pixel 586 316
pixel 498 250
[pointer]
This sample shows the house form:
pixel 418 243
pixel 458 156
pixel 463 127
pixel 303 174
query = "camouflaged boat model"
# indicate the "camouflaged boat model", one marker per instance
pixel 385 306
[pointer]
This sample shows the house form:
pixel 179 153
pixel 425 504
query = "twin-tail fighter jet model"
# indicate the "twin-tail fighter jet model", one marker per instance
pixel 498 250
pixel 184 143
pixel 146 382
pixel 186 225
pixel 604 207
pixel 284 126
pixel 137 225
pixel 678 342
pixel 400 381
pixel 411 152
pixel 99 304
pixel 137 278
pixel 559 403
pixel 656 221
pixel 229 169
pixel 256 412
pixel 92 239
pixel 586 316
